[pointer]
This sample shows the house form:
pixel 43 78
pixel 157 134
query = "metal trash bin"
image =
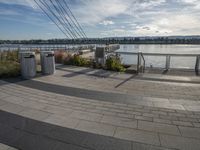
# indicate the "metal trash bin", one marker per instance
pixel 47 62
pixel 28 64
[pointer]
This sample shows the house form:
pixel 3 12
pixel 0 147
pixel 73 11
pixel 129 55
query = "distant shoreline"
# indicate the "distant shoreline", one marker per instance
pixel 121 43
pixel 112 40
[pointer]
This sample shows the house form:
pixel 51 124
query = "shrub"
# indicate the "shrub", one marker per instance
pixel 68 59
pixel 9 56
pixel 76 60
pixel 79 61
pixel 114 63
pixel 9 69
pixel 59 55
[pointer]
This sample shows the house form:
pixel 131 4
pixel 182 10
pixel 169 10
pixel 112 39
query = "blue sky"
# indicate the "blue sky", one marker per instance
pixel 22 19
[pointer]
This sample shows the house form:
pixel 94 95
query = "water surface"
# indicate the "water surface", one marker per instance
pixel 155 61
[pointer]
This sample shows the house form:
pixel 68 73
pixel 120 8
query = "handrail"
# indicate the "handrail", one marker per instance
pixel 197 65
pixel 144 62
pixel 139 64
pixel 168 59
pixel 159 54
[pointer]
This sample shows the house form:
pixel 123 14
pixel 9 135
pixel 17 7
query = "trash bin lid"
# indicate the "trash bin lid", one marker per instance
pixel 47 52
pixel 27 52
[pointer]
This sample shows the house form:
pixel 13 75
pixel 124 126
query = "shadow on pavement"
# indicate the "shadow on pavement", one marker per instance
pixel 28 134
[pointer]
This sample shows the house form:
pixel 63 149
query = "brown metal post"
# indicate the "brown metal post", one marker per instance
pixel 139 62
pixel 197 65
pixel 168 59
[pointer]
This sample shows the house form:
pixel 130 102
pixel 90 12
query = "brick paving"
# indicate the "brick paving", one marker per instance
pixel 149 114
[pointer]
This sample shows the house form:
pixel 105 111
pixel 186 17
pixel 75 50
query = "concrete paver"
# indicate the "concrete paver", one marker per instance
pixel 119 121
pixel 190 132
pixel 98 128
pixel 6 147
pixel 178 142
pixel 137 135
pixel 158 127
pixel 160 115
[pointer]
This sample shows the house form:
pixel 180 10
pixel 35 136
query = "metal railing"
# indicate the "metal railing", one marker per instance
pixel 141 56
pixel 141 63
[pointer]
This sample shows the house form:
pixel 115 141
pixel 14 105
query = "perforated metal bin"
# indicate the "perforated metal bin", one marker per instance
pixel 47 62
pixel 28 64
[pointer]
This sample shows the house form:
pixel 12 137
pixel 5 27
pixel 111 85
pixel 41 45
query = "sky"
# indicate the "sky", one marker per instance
pixel 24 20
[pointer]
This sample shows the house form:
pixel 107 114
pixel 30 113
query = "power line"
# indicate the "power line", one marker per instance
pixel 52 19
pixel 63 17
pixel 71 19
pixel 69 26
pixel 65 28
pixel 74 18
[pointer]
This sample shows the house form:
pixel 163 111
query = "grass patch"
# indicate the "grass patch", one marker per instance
pixel 9 56
pixel 9 69
pixel 9 64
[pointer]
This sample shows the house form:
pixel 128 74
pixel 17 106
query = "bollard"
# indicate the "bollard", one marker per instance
pixel 167 65
pixel 197 65
pixel 28 64
pixel 47 62
pixel 100 55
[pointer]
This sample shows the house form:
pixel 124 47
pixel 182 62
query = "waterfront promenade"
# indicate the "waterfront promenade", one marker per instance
pixel 86 109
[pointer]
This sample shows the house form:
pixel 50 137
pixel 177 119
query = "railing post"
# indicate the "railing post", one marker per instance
pixel 168 59
pixel 139 62
pixel 197 65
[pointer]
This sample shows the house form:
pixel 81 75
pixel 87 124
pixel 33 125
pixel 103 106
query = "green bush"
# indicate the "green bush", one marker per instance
pixel 9 69
pixel 9 56
pixel 114 63
pixel 77 60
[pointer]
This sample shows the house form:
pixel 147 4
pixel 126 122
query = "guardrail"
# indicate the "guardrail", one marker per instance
pixel 141 56
pixel 141 66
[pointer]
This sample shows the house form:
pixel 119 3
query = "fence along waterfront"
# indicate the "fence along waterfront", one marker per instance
pixel 141 56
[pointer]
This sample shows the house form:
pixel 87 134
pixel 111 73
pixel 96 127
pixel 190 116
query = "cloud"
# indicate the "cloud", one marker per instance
pixel 95 11
pixel 8 12
pixel 106 22
pixel 194 3
pixel 98 10
pixel 179 24
pixel 121 17
pixel 28 3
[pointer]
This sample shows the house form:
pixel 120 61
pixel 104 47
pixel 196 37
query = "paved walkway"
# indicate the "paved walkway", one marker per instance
pixel 6 147
pixel 102 106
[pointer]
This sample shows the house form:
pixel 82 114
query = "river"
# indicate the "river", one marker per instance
pixel 176 62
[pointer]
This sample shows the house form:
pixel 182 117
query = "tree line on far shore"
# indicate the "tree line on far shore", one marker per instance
pixel 137 40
